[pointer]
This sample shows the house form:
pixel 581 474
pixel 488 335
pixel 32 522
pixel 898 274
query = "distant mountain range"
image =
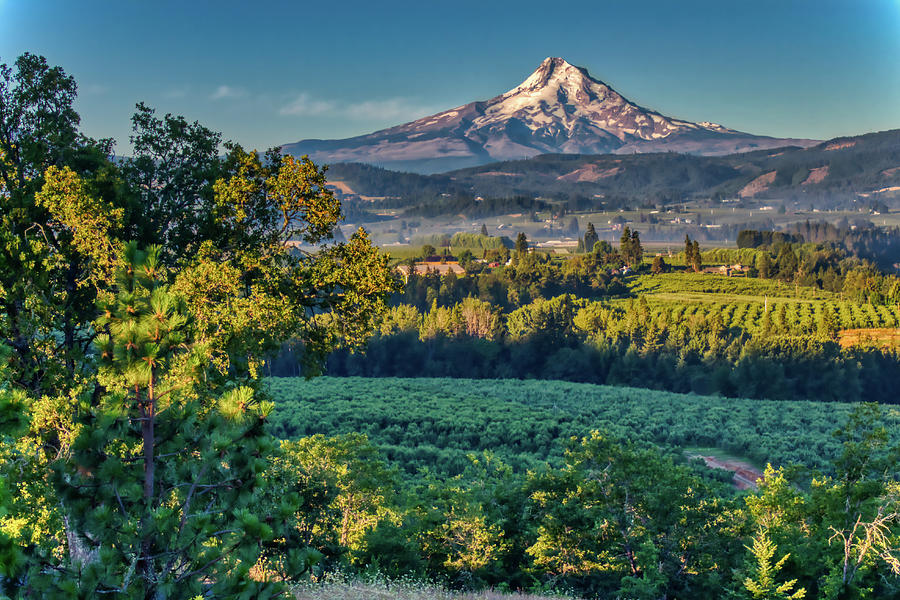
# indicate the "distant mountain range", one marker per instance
pixel 863 168
pixel 560 108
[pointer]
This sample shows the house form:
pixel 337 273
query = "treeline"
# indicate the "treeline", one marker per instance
pixel 576 340
pixel 370 180
pixel 862 239
pixel 837 267
pixel 472 241
pixel 529 276
pixel 612 519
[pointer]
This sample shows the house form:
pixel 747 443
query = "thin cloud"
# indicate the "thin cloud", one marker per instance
pixel 389 109
pixel 392 108
pixel 224 92
pixel 305 106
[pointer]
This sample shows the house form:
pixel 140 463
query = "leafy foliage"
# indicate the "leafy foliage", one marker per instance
pixel 136 462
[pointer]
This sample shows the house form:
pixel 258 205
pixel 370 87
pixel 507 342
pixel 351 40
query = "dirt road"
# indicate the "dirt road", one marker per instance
pixel 745 474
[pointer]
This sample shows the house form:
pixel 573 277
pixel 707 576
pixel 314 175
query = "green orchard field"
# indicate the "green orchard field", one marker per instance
pixel 742 302
pixel 436 423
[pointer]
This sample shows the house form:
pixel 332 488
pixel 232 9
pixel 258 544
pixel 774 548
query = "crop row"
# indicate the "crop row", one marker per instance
pixel 435 423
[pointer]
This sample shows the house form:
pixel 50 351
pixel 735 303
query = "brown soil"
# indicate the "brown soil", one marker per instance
pixel 816 175
pixel 745 474
pixel 881 337
pixel 345 189
pixel 760 184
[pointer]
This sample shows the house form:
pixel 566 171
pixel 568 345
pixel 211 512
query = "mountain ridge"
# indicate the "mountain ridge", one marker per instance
pixel 559 108
pixel 861 168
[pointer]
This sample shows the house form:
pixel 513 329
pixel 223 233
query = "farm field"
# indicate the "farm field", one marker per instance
pixel 743 303
pixel 436 422
pixel 722 287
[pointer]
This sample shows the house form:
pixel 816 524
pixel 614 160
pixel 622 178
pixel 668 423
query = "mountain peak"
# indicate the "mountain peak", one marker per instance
pixel 559 108
pixel 554 69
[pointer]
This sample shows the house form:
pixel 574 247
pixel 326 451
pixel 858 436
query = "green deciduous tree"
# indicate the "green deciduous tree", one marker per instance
pixel 625 516
pixel 346 492
pixel 659 265
pixel 44 300
pixel 247 266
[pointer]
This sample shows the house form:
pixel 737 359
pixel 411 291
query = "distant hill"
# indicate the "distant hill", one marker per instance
pixel 560 108
pixel 865 167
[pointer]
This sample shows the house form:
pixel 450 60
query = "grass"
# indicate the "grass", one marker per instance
pixel 337 586
pixel 706 287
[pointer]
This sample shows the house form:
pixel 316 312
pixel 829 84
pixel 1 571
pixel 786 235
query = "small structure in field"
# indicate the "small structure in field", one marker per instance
pixel 728 270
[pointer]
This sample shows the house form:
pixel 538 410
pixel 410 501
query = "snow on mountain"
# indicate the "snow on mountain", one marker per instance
pixel 559 108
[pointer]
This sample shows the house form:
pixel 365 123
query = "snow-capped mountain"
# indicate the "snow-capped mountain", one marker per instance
pixel 560 108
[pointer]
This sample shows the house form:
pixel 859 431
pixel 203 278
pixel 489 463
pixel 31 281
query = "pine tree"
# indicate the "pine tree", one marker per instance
pixel 484 230
pixel 688 252
pixel 163 488
pixel 696 259
pixel 762 585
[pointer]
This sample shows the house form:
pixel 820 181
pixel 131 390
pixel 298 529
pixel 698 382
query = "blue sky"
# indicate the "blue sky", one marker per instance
pixel 275 72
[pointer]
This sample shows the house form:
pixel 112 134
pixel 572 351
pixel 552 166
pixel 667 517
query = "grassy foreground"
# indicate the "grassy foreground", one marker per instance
pixel 340 587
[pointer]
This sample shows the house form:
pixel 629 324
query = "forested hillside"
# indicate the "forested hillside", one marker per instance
pixel 772 332
pixel 830 173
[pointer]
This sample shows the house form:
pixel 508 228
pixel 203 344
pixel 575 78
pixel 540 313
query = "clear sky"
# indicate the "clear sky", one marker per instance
pixel 266 73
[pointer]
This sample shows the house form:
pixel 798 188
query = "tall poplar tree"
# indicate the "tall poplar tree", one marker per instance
pixel 590 237
pixel 625 245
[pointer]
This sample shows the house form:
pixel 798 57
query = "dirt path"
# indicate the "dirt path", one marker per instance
pixel 745 474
